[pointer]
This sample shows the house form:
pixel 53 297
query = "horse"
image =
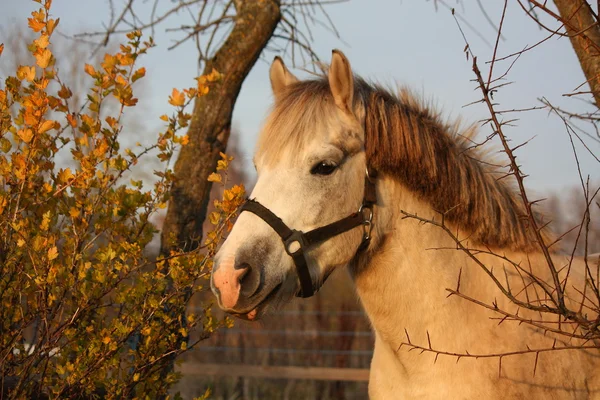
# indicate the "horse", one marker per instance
pixel 348 176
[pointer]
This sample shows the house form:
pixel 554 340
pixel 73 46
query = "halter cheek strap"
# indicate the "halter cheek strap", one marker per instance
pixel 296 243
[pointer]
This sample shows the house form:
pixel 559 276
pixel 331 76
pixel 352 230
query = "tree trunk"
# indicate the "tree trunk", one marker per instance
pixel 211 122
pixel 584 32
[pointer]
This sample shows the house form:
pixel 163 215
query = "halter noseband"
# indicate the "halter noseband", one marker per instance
pixel 297 242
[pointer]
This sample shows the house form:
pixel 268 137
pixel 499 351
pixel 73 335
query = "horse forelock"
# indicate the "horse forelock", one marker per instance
pixel 297 112
pixel 406 139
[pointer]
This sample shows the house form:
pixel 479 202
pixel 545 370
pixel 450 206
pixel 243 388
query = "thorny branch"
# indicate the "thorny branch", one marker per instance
pixel 430 349
pixel 575 319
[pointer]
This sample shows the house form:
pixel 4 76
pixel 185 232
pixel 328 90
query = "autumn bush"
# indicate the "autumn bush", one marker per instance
pixel 84 309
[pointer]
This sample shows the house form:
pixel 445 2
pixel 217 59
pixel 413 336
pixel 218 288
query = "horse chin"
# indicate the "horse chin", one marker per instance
pixel 268 303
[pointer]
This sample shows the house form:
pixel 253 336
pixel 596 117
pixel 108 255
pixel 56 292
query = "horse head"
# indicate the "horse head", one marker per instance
pixel 311 208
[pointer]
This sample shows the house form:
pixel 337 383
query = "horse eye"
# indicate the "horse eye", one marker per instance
pixel 323 168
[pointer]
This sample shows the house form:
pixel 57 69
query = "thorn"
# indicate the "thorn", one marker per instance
pixel 499 366
pixel 503 319
pixel 533 202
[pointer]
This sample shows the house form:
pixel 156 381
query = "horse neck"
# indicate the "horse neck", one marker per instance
pixel 402 279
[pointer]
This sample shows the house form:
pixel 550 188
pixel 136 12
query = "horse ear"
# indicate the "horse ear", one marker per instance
pixel 341 81
pixel 280 76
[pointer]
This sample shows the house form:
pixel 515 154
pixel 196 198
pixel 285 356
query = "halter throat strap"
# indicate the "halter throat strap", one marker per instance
pixel 296 243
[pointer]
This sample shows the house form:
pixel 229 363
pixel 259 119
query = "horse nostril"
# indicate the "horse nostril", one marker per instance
pixel 249 279
pixel 245 267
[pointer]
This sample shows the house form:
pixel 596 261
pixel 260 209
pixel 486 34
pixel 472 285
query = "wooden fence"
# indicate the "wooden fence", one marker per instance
pixel 276 372
pixel 295 354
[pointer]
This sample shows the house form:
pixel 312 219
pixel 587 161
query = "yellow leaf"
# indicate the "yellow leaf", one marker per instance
pixel 221 165
pixel 74 212
pixel 36 25
pixel 134 34
pixel 136 377
pixel 42 42
pixel 140 73
pixel 46 126
pixel 203 90
pixel 44 226
pixel 214 177
pixel 5 145
pixel 89 70
pixel 214 217
pixel 120 80
pixel 20 243
pixel 26 72
pixel 112 122
pixel 185 139
pixel 64 175
pixel 164 117
pixel 52 23
pixel 177 98
pixel 64 92
pixel 43 58
pixel 1 48
pixel 214 75
pixel 25 135
pixel 72 119
pixel 47 187
pixel 52 253
pixel 106 340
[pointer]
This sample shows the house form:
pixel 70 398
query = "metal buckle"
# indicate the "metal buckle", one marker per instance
pixel 295 237
pixel 367 222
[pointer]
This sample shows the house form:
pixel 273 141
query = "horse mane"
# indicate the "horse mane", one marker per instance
pixel 408 141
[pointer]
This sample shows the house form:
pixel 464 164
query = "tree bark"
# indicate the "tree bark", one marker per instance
pixel 584 33
pixel 210 126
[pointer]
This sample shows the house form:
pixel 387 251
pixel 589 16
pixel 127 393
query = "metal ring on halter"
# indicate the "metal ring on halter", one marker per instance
pixel 368 221
pixel 369 177
pixel 298 238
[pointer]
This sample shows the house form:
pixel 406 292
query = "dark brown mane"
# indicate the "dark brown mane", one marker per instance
pixel 439 163
pixel 435 160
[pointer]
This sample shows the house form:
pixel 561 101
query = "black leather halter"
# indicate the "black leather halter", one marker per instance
pixel 296 243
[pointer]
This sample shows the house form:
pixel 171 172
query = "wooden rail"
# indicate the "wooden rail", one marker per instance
pixel 276 372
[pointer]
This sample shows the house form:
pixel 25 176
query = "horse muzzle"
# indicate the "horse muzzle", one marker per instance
pixel 239 282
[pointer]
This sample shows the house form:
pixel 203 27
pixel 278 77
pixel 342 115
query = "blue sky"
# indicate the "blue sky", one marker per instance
pixel 391 42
